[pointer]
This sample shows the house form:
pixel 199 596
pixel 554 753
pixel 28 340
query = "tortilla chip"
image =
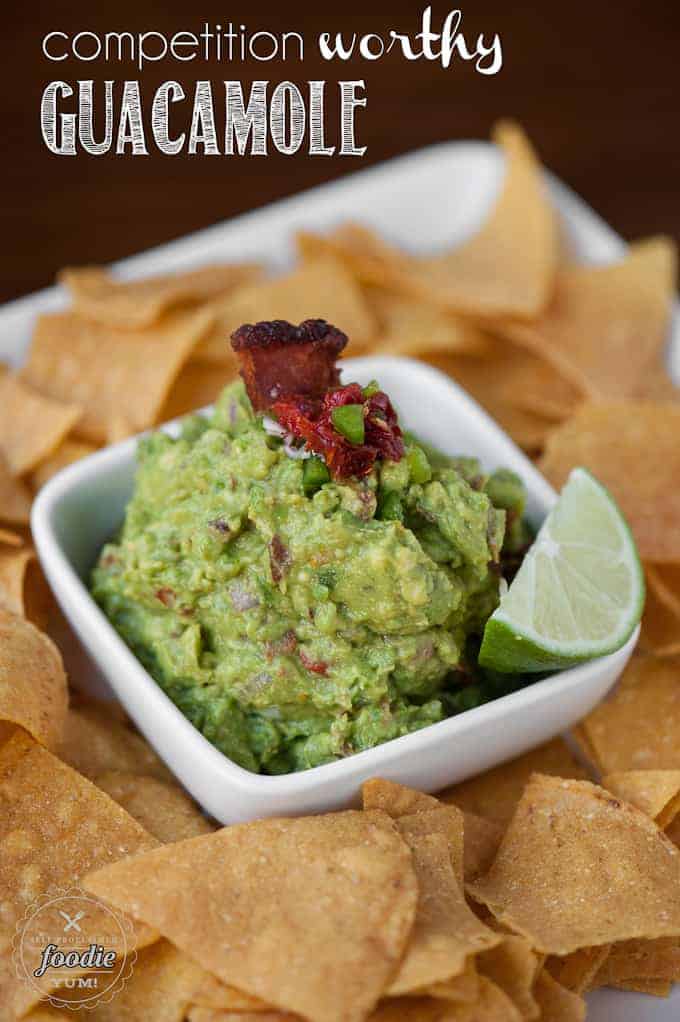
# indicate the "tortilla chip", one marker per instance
pixel 537 387
pixel 481 837
pixel 409 326
pixel 212 994
pixel 369 258
pixel 66 454
pixel 489 386
pixel 664 579
pixel 660 631
pixel 119 428
pixel 482 840
pixel 513 966
pixel 557 1004
pixel 606 324
pixel 577 971
pixel 655 384
pixel 446 932
pixel 31 426
pixel 199 1013
pixel 345 896
pixel 23 588
pixel 161 984
pixel 495 793
pixel 638 728
pixel 508 267
pixel 320 290
pixel 161 808
pixel 10 539
pixel 96 742
pixel 395 799
pixel 640 959
pixel 199 384
pixel 655 792
pixel 134 304
pixel 111 373
pixel 447 821
pixel 54 827
pixel 15 498
pixel 653 987
pixel 632 448
pixel 463 988
pixel 551 883
pixel 33 690
pixel 492 1005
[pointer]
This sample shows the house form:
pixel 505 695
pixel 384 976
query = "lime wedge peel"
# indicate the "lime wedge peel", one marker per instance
pixel 579 592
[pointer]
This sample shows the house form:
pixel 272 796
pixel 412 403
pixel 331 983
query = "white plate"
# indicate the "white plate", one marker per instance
pixel 426 200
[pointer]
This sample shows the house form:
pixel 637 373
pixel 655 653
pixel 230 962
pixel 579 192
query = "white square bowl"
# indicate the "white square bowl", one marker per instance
pixel 79 509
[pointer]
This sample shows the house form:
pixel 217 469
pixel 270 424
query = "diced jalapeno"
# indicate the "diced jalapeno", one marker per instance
pixel 349 420
pixel 418 465
pixel 314 474
pixel 390 508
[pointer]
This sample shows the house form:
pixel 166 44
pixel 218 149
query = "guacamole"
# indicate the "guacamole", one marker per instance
pixel 296 618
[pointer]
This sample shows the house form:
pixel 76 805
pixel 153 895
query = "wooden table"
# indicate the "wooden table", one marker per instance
pixel 595 85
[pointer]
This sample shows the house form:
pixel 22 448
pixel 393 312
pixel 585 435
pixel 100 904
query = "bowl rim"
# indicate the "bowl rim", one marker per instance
pixel 87 617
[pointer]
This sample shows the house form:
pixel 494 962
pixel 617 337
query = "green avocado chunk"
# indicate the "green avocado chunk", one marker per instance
pixel 294 618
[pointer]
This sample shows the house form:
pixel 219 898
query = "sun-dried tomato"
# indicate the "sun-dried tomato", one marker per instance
pixel 312 422
pixel 315 666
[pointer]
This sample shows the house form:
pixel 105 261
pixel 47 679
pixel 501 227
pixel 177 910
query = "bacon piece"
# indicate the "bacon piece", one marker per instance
pixel 278 359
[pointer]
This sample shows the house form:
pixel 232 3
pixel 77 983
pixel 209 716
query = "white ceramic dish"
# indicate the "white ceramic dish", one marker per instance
pixel 81 507
pixel 431 198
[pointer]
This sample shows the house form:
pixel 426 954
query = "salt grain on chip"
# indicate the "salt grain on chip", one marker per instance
pixel 310 914
pixel 551 883
pixel 633 450
pixel 135 304
pixel 111 373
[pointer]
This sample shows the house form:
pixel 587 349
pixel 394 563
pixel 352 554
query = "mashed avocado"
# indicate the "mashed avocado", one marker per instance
pixel 295 623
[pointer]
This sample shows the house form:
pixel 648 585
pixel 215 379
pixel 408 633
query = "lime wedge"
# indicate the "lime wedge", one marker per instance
pixel 579 592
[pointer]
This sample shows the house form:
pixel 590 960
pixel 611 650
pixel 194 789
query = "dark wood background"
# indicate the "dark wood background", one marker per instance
pixel 595 84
